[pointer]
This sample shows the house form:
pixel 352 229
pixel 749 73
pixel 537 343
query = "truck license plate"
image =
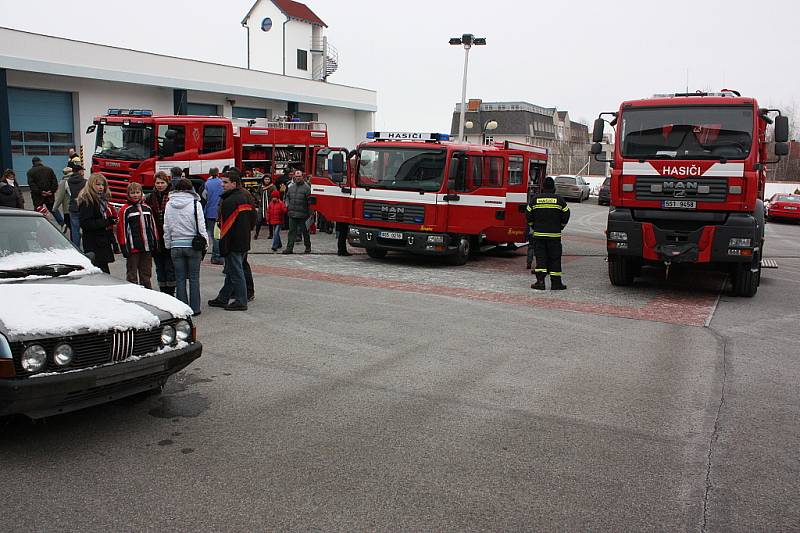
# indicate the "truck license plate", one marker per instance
pixel 391 235
pixel 679 204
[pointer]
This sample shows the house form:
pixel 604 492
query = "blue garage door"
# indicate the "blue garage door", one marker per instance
pixel 209 110
pixel 41 125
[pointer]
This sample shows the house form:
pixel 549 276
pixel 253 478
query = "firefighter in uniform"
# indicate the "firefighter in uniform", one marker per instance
pixel 548 214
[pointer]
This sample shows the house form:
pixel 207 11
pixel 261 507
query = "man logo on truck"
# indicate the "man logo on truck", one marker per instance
pixel 679 189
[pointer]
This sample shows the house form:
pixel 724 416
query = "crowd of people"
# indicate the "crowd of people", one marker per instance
pixel 174 226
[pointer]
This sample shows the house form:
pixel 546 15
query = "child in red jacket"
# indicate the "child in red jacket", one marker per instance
pixel 274 214
pixel 137 236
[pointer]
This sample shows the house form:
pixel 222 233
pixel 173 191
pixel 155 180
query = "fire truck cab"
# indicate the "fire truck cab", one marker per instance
pixel 133 144
pixel 687 184
pixel 421 194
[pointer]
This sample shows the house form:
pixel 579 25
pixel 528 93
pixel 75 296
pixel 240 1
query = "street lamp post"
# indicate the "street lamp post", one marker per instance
pixel 467 40
pixel 487 126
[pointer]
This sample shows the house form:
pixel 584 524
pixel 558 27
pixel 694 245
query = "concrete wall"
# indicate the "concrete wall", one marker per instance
pixel 298 36
pixel 266 46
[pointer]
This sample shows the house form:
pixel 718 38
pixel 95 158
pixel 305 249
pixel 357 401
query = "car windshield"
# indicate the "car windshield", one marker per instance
pixel 606 182
pixel 29 244
pixel 788 198
pixel 687 132
pixel 416 169
pixel 131 143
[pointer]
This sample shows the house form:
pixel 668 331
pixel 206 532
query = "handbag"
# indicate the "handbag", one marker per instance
pixel 198 242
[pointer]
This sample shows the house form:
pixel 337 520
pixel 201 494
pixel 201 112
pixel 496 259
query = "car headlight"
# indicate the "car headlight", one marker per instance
pixel 436 239
pixel 167 335
pixel 63 354
pixel 183 330
pixel 34 358
pixel 617 236
pixel 739 242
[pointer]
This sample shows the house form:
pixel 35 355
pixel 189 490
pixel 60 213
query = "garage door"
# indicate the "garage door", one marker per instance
pixel 41 125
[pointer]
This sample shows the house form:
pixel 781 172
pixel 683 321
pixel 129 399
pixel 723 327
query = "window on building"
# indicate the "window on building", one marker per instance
pixel 208 110
pixel 214 139
pixel 306 117
pixel 250 112
pixel 171 139
pixel 488 139
pixel 493 172
pixel 302 59
pixel 514 169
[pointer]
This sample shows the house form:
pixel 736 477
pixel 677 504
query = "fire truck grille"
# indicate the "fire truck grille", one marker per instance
pixel 665 188
pixel 404 213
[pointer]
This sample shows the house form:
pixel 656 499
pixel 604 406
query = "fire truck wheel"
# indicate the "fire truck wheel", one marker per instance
pixel 621 271
pixel 745 281
pixel 376 253
pixel 462 254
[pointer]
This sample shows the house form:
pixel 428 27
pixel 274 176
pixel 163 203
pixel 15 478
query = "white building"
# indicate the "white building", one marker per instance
pixel 52 88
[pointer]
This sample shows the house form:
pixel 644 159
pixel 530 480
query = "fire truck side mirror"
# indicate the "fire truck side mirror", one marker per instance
pixel 91 128
pixel 456 172
pixel 781 148
pixel 596 148
pixel 597 130
pixel 781 129
pixel 337 168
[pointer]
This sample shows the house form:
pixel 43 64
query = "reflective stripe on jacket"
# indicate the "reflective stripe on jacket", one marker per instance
pixel 547 215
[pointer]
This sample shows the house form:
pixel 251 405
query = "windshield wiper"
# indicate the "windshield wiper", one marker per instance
pixel 54 270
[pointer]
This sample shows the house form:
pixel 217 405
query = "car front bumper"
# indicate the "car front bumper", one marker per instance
pixel 38 397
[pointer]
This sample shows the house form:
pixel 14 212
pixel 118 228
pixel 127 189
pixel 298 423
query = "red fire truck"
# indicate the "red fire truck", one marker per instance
pixel 687 184
pixel 420 193
pixel 132 145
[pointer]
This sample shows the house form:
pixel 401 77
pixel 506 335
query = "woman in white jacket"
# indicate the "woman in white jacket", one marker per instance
pixel 183 221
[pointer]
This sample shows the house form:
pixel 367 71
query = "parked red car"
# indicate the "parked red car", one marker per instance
pixel 783 206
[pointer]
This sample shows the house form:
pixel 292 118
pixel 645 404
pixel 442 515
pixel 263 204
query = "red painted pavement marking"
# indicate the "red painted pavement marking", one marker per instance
pixel 687 310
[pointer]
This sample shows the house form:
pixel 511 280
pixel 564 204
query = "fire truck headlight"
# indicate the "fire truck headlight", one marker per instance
pixel 617 236
pixel 355 232
pixel 735 189
pixel 740 243
pixel 436 239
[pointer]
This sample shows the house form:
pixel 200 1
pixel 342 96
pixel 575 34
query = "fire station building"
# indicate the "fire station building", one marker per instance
pixel 52 88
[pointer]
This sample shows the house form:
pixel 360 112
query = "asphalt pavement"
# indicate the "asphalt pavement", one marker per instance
pixel 406 394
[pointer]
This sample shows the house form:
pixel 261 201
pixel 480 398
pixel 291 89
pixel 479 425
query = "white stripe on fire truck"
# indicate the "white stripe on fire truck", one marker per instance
pixel 196 166
pixel 719 170
pixel 471 200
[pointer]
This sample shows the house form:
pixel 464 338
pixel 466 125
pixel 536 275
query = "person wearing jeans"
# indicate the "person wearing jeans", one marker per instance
pixel 236 218
pixel 297 197
pixel 211 193
pixel 187 268
pixel 183 221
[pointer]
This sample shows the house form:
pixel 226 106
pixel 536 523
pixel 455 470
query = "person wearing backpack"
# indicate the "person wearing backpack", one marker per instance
pixel 67 200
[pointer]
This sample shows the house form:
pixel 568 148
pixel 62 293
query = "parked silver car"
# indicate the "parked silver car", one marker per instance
pixel 72 337
pixel 572 187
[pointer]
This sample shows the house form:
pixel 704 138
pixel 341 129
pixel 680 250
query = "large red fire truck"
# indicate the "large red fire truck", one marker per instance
pixel 687 184
pixel 420 193
pixel 132 145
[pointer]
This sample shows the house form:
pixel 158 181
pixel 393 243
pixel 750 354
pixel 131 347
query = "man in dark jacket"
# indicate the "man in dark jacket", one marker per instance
pixel 297 196
pixel 44 184
pixel 236 220
pixel 548 214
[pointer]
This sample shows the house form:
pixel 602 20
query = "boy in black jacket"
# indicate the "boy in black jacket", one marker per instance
pixel 137 236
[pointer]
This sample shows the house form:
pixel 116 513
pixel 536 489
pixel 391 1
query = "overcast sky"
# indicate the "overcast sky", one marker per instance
pixel 580 56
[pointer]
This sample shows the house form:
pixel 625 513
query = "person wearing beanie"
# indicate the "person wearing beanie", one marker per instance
pixel 547 215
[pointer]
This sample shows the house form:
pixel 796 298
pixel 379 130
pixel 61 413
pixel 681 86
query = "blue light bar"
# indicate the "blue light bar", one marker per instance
pixel 442 136
pixel 114 112
pixel 371 135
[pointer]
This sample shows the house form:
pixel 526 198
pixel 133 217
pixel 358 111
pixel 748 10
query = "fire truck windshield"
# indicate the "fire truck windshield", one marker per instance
pixel 415 169
pixel 687 132
pixel 131 143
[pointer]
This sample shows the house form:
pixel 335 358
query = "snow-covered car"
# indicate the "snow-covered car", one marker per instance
pixel 71 336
